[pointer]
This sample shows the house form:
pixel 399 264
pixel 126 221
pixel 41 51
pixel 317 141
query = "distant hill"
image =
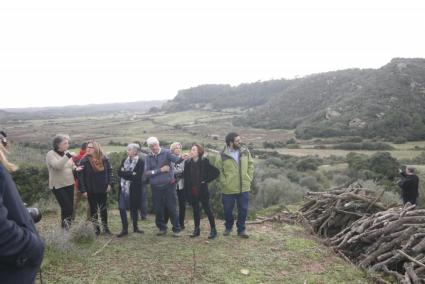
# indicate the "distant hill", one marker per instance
pixel 78 110
pixel 387 103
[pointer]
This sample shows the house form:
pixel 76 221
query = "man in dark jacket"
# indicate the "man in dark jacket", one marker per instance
pixel 161 177
pixel 409 185
pixel 21 248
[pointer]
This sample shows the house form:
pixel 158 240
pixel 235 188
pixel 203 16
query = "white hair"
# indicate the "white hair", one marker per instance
pixel 152 140
pixel 133 146
pixel 175 145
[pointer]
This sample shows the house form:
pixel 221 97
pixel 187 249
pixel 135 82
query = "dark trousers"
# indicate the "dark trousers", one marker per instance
pixel 165 197
pixel 229 200
pixel 411 199
pixel 97 202
pixel 182 208
pixel 144 204
pixel 124 221
pixel 204 200
pixel 65 198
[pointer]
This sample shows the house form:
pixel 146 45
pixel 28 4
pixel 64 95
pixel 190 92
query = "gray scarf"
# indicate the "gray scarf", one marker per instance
pixel 125 184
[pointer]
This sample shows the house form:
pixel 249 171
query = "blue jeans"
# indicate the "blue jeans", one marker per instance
pixel 165 197
pixel 241 200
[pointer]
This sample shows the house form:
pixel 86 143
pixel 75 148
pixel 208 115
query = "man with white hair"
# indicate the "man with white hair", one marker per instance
pixel 409 185
pixel 161 177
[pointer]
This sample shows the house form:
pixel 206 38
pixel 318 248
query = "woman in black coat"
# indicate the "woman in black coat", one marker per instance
pixel 198 172
pixel 97 180
pixel 130 188
pixel 21 248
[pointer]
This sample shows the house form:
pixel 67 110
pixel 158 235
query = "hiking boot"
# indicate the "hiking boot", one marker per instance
pixel 227 232
pixel 97 230
pixel 243 235
pixel 122 234
pixel 196 233
pixel 161 233
pixel 106 231
pixel 213 233
pixel 177 234
pixel 137 230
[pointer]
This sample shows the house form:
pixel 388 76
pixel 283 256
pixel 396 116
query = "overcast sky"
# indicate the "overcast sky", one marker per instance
pixel 79 52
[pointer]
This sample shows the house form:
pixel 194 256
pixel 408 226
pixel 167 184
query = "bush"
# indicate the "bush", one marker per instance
pixel 32 182
pixel 307 163
pixel 273 144
pixel 310 182
pixel 82 232
pixel 278 190
pixel 339 179
pixel 399 140
pixel 380 165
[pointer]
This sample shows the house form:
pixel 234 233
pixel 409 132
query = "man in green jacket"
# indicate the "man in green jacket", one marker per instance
pixel 236 173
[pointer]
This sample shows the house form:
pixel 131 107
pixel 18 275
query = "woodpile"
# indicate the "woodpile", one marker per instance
pixel 391 241
pixel 328 213
pixel 368 233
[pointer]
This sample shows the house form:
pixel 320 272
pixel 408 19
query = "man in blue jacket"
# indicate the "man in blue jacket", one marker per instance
pixel 21 248
pixel 161 177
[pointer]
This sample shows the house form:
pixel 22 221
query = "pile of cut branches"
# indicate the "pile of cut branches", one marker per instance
pixel 329 212
pixel 391 241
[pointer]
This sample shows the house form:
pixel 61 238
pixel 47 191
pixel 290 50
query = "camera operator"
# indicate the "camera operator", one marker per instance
pixel 21 248
pixel 409 185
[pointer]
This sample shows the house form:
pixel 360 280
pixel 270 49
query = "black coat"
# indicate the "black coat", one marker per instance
pixel 21 248
pixel 135 177
pixel 95 182
pixel 409 186
pixel 208 173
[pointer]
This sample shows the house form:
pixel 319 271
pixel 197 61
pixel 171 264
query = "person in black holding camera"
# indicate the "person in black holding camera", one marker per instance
pixel 21 248
pixel 409 185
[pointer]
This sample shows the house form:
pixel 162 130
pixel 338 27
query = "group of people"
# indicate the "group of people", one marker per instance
pixel 175 179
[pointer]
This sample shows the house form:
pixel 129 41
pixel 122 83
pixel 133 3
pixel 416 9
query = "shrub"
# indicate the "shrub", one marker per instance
pixel 399 140
pixel 307 163
pixel 310 182
pixel 82 232
pixel 32 182
pixel 278 190
pixel 340 179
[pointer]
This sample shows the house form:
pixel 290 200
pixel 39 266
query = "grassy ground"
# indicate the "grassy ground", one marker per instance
pixel 275 253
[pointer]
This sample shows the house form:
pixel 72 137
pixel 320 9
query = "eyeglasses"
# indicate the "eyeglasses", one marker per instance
pixel 90 147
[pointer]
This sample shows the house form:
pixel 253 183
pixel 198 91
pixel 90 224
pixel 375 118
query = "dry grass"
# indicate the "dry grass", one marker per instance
pixel 275 253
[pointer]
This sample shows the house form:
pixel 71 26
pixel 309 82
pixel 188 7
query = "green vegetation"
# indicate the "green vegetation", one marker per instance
pixel 275 253
pixel 385 103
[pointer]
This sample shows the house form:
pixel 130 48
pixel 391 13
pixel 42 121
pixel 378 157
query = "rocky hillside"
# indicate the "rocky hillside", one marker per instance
pixel 386 103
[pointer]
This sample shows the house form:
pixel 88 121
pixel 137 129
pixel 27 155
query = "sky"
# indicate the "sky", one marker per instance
pixel 55 53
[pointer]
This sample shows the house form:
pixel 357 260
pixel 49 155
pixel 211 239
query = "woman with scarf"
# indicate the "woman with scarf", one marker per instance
pixel 130 188
pixel 97 180
pixel 198 172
